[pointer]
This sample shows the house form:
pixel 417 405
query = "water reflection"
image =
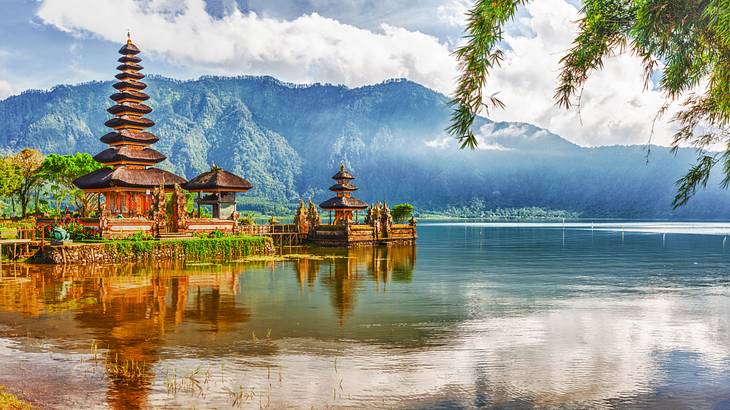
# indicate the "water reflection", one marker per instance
pixel 487 317
pixel 134 313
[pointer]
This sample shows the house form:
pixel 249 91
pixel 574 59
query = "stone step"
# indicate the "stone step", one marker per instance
pixel 175 235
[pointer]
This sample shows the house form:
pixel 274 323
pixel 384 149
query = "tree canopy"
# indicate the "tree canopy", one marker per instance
pixel 28 163
pixel 62 170
pixel 402 212
pixel 686 41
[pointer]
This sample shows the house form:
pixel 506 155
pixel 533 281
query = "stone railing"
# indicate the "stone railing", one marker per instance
pixel 210 225
pixel 123 227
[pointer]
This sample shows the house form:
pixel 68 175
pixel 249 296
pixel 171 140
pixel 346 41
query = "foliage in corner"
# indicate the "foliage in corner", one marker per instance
pixel 691 39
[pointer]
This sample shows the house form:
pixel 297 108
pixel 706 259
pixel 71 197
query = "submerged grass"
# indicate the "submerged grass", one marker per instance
pixel 12 402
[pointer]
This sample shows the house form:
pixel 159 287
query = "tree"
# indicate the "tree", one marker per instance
pixel 62 170
pixel 402 212
pixel 10 179
pixel 28 161
pixel 690 38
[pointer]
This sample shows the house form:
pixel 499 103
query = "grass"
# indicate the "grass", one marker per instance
pixel 197 249
pixel 11 402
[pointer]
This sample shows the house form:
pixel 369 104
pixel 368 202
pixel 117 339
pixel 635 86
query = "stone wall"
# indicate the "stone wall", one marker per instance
pixel 119 251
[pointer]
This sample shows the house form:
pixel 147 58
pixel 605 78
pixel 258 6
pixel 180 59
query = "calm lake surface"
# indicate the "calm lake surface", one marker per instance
pixel 476 315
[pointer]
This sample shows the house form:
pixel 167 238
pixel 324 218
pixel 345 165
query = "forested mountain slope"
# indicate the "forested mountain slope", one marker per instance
pixel 288 140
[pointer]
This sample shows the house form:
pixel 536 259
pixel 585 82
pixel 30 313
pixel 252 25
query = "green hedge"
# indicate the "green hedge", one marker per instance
pixel 201 248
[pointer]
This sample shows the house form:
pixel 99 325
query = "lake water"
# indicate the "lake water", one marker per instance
pixel 476 315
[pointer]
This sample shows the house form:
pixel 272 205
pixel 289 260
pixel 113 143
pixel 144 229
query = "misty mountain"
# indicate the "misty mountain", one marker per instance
pixel 289 139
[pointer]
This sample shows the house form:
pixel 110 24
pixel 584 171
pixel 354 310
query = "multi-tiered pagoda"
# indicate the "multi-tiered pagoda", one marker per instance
pixel 130 177
pixel 343 203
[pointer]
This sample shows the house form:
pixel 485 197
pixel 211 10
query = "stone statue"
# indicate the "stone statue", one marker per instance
pixel 313 216
pixel 374 212
pixel 386 219
pixel 301 221
pixel 104 220
pixel 179 202
pixel 59 234
pixel 159 211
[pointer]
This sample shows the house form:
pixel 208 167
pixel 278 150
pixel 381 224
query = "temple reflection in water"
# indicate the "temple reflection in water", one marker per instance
pixel 133 313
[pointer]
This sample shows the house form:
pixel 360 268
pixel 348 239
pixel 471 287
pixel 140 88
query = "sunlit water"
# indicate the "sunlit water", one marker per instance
pixel 570 316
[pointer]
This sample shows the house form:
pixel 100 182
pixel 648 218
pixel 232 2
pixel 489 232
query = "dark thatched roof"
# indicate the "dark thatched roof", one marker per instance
pixel 129 107
pixel 130 67
pixel 343 174
pixel 129 59
pixel 129 84
pixel 128 178
pixel 343 187
pixel 218 180
pixel 129 136
pixel 130 95
pixel 129 49
pixel 127 76
pixel 144 156
pixel 128 120
pixel 340 202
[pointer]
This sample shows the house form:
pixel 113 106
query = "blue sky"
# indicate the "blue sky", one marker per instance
pixel 351 42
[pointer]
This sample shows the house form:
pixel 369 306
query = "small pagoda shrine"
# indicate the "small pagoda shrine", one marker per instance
pixel 130 184
pixel 217 188
pixel 343 204
pixel 377 228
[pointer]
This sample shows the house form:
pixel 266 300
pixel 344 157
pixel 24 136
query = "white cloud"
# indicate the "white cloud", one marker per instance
pixel 614 109
pixel 310 48
pixel 6 89
pixel 313 48
pixel 453 12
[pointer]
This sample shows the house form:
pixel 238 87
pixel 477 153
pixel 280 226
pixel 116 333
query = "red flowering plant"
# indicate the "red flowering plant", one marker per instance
pixel 75 229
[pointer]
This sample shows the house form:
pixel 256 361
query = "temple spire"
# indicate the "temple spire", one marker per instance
pixel 129 139
pixel 129 154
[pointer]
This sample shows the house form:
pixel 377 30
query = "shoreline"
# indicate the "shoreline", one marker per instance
pixel 122 251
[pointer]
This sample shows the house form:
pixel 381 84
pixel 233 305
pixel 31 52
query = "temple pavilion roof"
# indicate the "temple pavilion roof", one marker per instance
pixel 343 173
pixel 127 177
pixel 129 49
pixel 129 59
pixel 341 202
pixel 144 156
pixel 343 188
pixel 218 180
pixel 129 107
pixel 346 186
pixel 129 136
pixel 130 95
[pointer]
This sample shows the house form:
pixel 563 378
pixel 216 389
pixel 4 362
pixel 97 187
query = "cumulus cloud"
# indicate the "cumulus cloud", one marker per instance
pixel 372 46
pixel 306 49
pixel 614 109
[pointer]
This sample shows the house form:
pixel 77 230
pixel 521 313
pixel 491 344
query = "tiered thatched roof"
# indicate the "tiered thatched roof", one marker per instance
pixel 343 189
pixel 129 155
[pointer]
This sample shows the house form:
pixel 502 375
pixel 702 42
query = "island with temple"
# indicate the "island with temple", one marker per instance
pixel 136 199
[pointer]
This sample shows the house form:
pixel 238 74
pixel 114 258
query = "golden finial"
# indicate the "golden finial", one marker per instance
pixel 129 37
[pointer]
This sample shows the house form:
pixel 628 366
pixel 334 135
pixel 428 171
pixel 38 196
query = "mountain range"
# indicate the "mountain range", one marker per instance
pixel 289 139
